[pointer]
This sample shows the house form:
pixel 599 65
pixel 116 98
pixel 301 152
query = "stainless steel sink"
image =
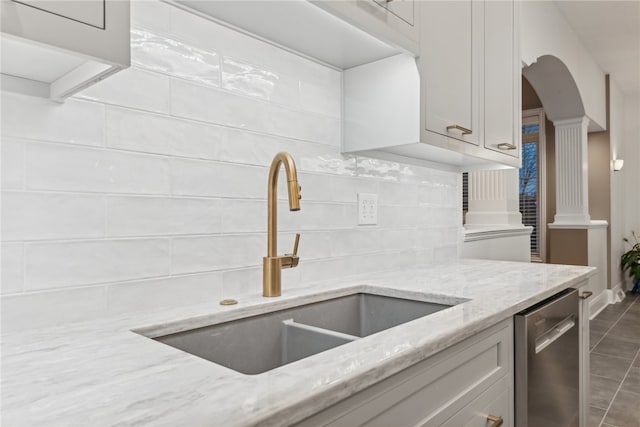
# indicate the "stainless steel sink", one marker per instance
pixel 260 343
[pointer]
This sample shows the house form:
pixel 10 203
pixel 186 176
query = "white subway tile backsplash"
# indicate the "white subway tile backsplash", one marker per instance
pixel 12 268
pixel 149 189
pixel 394 193
pixel 133 87
pixel 316 216
pixel 213 179
pixel 151 15
pixel 158 53
pixel 398 239
pixel 151 133
pixel 12 166
pixel 224 108
pixel 322 98
pixel 403 216
pixel 56 167
pixel 254 81
pixel 167 292
pixel 52 308
pixel 240 146
pixel 73 263
pixel 194 254
pixel 151 216
pixel 217 106
pixel 217 38
pixel 39 216
pixel 313 244
pixel 357 241
pixel 305 126
pixel 325 269
pixel 329 162
pixel 240 216
pixel 242 281
pixel 375 168
pixel 75 121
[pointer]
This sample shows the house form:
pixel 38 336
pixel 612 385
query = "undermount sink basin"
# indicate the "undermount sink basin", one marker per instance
pixel 257 344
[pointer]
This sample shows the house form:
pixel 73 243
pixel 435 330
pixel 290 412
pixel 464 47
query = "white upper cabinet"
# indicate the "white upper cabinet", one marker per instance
pixel 468 85
pixel 501 79
pixel 470 73
pixel 364 31
pixel 90 12
pixel 451 69
pixel 54 49
pixel 394 21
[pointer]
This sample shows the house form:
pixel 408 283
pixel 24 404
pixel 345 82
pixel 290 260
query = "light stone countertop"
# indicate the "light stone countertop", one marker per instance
pixel 102 374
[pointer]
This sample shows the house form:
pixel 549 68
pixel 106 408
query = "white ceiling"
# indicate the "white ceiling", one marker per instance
pixel 610 30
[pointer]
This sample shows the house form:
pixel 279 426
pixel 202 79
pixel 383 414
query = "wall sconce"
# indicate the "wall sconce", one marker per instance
pixel 617 164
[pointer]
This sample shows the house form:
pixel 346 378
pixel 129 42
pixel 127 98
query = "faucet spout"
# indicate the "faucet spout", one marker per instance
pixel 272 263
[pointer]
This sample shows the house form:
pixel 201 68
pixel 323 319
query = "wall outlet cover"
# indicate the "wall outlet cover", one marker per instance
pixel 367 209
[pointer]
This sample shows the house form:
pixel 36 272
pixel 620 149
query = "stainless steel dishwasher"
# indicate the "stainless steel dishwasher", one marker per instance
pixel 546 363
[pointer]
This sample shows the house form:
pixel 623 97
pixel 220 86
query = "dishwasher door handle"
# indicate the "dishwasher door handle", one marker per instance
pixel 554 333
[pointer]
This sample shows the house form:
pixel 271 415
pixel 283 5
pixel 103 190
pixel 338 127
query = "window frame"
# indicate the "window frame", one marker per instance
pixel 542 180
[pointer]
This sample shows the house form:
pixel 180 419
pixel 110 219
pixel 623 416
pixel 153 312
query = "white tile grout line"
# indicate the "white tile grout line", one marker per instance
pixel 614 324
pixel 626 373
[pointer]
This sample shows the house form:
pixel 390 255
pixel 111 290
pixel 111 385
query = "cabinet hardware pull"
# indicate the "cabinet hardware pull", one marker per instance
pixel 464 130
pixel 506 146
pixel 586 294
pixel 497 421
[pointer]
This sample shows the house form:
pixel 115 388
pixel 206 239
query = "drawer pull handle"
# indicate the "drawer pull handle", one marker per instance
pixel 586 294
pixel 497 421
pixel 506 146
pixel 464 130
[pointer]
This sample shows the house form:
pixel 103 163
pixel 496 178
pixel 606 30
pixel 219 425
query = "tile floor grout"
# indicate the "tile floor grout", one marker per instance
pixel 619 387
pixel 636 357
pixel 614 324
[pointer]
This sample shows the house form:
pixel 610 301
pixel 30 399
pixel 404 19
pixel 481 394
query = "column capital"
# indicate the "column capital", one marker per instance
pixel 575 121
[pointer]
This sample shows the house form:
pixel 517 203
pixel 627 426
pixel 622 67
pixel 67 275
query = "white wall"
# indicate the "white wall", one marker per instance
pixel 544 31
pixel 630 174
pixel 618 197
pixel 148 190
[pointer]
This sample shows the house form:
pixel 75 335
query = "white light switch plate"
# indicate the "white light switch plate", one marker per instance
pixel 367 209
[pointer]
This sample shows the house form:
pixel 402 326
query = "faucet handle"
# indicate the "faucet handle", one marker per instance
pixel 295 244
pixel 291 260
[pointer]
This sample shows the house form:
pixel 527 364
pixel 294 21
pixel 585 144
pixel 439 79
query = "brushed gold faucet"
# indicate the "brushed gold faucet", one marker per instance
pixel 273 264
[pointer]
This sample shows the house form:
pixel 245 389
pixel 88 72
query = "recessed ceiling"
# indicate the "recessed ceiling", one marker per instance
pixel 610 30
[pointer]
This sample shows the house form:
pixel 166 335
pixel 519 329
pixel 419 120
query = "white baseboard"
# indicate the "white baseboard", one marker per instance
pixel 608 296
pixel 599 303
pixel 618 292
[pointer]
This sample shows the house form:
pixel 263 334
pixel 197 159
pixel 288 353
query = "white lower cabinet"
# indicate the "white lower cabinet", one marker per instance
pixel 461 385
pixel 482 411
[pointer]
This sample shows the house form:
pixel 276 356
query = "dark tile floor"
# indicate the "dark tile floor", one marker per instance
pixel 615 365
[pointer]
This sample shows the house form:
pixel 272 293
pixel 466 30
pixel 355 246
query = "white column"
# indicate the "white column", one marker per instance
pixel 493 198
pixel 572 172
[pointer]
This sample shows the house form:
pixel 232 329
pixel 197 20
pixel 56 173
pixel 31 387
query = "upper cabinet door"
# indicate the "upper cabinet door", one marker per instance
pixel 449 69
pixel 90 12
pixel 500 78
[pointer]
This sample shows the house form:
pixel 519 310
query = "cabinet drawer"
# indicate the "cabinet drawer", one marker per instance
pixel 430 392
pixel 493 402
pixel 403 9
